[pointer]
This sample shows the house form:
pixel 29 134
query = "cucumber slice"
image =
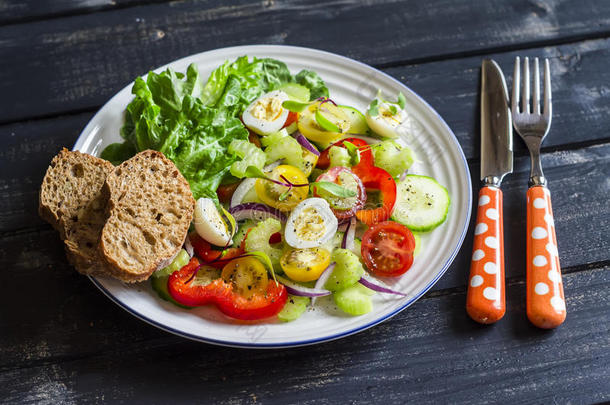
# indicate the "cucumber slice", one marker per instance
pixel 241 232
pixel 393 157
pixel 347 271
pixel 296 92
pixel 417 243
pixel 295 307
pixel 354 300
pixel 421 203
pixel 159 285
pixel 258 240
pixel 357 120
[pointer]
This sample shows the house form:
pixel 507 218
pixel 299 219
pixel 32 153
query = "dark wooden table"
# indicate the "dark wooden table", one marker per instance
pixel 62 341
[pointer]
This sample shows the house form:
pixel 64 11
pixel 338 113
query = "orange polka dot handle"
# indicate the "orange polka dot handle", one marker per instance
pixel 546 306
pixel 485 301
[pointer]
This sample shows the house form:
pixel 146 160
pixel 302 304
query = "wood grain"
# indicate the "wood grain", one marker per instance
pixel 444 357
pixel 73 63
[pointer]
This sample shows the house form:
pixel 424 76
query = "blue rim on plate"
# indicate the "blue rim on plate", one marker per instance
pixel 357 329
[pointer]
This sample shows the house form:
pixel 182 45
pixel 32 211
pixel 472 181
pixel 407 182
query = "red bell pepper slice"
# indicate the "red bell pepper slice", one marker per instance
pixel 183 288
pixel 376 178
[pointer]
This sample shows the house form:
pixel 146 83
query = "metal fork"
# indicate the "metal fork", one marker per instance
pixel 545 300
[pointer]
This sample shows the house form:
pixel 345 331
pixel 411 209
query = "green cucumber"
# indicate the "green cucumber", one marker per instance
pixel 295 307
pixel 181 260
pixel 354 300
pixel 241 232
pixel 417 243
pixel 393 157
pixel 159 285
pixel 421 204
pixel 347 271
pixel 357 120
pixel 296 92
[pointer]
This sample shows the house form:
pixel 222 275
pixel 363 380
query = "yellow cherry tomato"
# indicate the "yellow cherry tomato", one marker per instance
pixel 281 197
pixel 305 264
pixel 248 276
pixel 310 127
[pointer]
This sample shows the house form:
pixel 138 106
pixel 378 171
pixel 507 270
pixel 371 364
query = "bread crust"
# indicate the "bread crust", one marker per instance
pixel 71 200
pixel 149 211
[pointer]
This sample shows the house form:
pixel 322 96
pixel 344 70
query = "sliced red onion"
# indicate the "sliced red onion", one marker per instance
pixel 377 285
pixel 304 142
pixel 323 279
pixel 349 235
pixel 188 246
pixel 403 175
pixel 297 289
pixel 256 211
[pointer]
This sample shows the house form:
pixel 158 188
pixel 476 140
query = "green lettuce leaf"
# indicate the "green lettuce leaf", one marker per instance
pixel 193 123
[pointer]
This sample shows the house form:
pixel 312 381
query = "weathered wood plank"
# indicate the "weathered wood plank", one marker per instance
pixel 431 353
pixel 580 95
pixel 87 58
pixel 87 321
pixel 13 11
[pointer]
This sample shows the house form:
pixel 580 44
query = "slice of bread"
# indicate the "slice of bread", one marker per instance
pixel 150 208
pixel 71 200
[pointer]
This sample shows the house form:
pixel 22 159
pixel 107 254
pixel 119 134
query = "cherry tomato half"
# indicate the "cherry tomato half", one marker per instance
pixel 387 249
pixel 343 207
pixel 378 179
pixel 270 193
pixel 292 117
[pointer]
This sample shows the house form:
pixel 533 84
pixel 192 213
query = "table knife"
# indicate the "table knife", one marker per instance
pixel 485 301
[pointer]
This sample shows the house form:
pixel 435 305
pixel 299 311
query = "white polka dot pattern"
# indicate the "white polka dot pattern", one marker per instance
pixel 545 299
pixel 485 298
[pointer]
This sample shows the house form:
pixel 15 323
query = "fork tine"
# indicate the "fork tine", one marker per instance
pixel 525 101
pixel 516 86
pixel 547 90
pixel 536 99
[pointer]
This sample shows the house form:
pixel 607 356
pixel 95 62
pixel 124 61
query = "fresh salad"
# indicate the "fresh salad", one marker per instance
pixel 298 196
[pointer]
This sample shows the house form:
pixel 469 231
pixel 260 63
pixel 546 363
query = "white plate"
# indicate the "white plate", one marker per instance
pixel 352 83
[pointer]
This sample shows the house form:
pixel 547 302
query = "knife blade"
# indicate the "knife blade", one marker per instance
pixel 485 300
pixel 496 125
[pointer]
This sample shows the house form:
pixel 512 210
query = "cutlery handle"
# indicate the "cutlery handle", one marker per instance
pixel 485 301
pixel 546 306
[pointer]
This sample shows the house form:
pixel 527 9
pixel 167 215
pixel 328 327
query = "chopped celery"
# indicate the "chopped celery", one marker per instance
pixel 295 307
pixel 274 137
pixel 286 148
pixel 354 300
pixel 393 157
pixel 339 157
pixel 347 271
pixel 181 260
pixel 258 240
pixel 250 155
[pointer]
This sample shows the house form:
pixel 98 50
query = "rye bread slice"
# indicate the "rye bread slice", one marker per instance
pixel 150 208
pixel 71 200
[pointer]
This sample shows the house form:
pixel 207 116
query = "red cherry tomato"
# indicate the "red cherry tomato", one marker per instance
pixel 387 249
pixel 343 207
pixel 376 178
pixel 366 155
pixel 225 191
pixel 292 117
